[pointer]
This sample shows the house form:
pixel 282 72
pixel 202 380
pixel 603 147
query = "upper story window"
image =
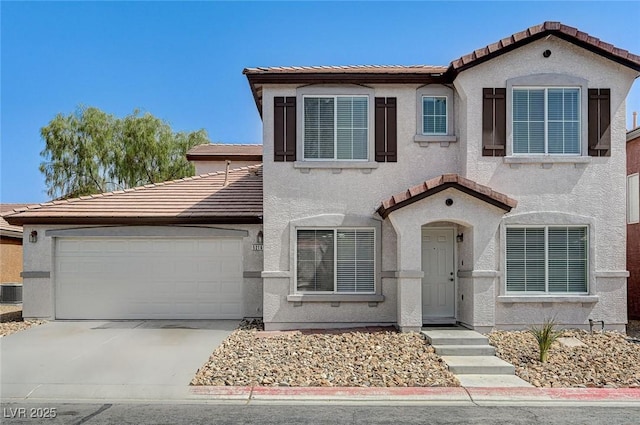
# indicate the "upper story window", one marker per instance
pixel 546 120
pixel 434 115
pixel 336 127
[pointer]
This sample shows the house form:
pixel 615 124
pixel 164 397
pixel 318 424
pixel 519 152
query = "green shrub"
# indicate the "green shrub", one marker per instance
pixel 546 336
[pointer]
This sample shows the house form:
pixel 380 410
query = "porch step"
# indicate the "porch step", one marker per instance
pixel 478 365
pixel 454 336
pixel 465 350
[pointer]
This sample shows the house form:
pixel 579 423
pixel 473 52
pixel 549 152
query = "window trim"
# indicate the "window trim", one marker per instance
pixel 629 177
pixel 335 126
pixel 547 120
pixel 334 220
pixel 546 261
pixel 335 262
pixel 446 115
pixel 550 218
pixel 334 91
pixel 547 81
pixel 424 139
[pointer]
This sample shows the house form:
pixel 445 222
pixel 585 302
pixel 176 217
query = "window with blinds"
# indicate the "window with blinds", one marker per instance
pixel 336 127
pixel 336 260
pixel 546 121
pixel 434 115
pixel 633 199
pixel 547 259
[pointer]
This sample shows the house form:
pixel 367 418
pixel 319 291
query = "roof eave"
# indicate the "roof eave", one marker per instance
pixel 454 70
pixel 256 80
pixel 385 211
pixel 633 134
pixel 158 220
pixel 223 157
pixel 10 234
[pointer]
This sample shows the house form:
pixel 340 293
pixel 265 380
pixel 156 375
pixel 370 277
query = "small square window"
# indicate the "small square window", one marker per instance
pixel 434 115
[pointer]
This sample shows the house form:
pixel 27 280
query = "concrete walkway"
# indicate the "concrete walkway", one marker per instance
pixel 107 359
pixel 471 359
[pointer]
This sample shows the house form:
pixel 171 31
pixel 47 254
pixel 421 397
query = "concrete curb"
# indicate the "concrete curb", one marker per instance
pixel 431 394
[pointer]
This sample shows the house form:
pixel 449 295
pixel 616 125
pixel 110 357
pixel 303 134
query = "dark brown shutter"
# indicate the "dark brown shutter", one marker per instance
pixel 284 128
pixel 386 130
pixel 494 121
pixel 599 122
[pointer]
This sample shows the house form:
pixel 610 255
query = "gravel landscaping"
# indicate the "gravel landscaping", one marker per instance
pixel 385 358
pixel 11 320
pixel 358 358
pixel 608 359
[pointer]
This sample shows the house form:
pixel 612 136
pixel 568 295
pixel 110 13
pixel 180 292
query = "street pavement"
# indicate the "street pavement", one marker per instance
pixel 328 413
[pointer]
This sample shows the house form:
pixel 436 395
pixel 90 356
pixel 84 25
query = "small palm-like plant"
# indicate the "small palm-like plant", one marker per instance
pixel 546 335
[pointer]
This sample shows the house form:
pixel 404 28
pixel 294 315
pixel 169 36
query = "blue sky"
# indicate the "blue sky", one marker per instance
pixel 183 62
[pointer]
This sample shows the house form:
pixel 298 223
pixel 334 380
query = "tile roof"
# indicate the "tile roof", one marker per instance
pixel 201 199
pixel 536 32
pixel 222 151
pixel 6 229
pixel 428 74
pixel 440 183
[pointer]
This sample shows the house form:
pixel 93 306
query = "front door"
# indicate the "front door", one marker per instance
pixel 438 283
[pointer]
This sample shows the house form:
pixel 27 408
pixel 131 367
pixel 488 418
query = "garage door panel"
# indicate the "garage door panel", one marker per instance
pixel 148 278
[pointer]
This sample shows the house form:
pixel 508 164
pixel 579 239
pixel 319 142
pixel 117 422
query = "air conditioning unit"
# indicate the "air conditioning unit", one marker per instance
pixel 11 293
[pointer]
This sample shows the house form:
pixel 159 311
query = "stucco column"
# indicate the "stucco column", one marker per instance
pixel 409 300
pixel 409 277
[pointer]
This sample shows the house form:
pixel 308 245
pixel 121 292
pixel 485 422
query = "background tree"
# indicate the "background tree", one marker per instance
pixel 90 151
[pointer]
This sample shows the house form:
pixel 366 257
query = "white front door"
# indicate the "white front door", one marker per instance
pixel 438 283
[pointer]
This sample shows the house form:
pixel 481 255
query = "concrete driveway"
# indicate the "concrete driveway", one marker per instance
pixel 132 360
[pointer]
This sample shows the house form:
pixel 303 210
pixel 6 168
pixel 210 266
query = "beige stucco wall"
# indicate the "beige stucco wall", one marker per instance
pixel 589 187
pixel 10 260
pixel 38 292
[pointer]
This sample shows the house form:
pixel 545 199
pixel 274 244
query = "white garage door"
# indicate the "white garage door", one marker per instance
pixel 148 278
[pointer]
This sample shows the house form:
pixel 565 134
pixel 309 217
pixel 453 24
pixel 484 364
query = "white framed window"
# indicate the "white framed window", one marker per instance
pixel 434 115
pixel 338 260
pixel 547 259
pixel 335 127
pixel 633 198
pixel 546 120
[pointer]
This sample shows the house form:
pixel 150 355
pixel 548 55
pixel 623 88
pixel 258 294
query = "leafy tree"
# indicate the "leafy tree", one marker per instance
pixel 90 151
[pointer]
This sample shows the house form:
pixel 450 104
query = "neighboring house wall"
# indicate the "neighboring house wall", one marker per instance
pixel 633 233
pixel 39 273
pixel 209 166
pixel 549 191
pixel 10 259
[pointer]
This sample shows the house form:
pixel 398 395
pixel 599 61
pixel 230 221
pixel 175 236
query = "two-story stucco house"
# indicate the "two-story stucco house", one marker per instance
pixel 483 192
